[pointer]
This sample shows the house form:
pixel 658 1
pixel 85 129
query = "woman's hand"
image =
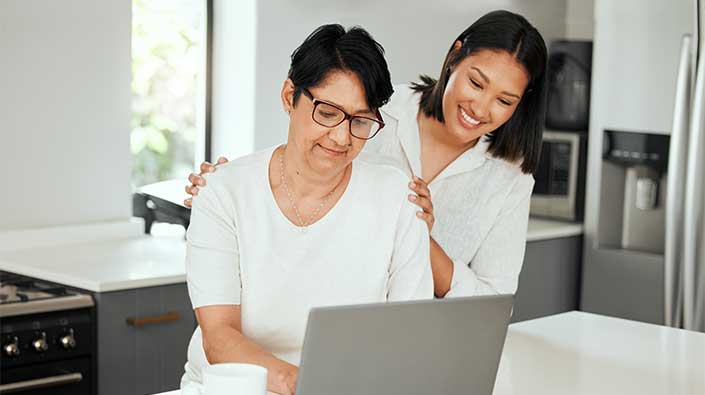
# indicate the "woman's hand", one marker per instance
pixel 284 381
pixel 223 341
pixel 197 181
pixel 422 198
pixel 288 382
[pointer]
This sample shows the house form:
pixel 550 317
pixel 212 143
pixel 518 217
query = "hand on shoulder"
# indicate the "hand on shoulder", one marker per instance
pixel 197 180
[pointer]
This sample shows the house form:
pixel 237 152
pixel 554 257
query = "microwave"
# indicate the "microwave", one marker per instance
pixel 559 189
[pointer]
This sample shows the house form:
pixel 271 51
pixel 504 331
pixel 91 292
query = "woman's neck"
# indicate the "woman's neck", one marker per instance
pixel 435 132
pixel 305 183
pixel 438 148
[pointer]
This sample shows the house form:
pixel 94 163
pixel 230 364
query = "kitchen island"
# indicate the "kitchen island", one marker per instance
pixel 583 353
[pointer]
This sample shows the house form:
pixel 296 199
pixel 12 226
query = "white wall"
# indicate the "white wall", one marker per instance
pixel 415 34
pixel 234 70
pixel 65 85
pixel 64 111
pixel 580 19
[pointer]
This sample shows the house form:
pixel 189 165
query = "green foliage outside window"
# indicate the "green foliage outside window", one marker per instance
pixel 167 64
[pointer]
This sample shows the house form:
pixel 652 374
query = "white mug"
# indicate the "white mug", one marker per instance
pixel 234 379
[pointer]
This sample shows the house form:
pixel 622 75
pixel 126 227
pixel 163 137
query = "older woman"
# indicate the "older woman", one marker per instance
pixel 304 224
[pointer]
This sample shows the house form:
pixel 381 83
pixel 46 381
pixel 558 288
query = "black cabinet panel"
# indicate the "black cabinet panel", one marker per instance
pixel 550 278
pixel 143 359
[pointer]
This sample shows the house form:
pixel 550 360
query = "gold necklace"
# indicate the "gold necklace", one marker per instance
pixel 303 225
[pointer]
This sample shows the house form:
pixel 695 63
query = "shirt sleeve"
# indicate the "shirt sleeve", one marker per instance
pixel 497 264
pixel 410 276
pixel 212 257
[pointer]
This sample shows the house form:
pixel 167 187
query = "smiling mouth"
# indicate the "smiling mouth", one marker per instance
pixel 472 122
pixel 331 151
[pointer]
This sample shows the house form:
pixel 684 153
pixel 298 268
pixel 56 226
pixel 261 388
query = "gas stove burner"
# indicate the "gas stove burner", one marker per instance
pixel 8 293
pixel 15 288
pixel 21 295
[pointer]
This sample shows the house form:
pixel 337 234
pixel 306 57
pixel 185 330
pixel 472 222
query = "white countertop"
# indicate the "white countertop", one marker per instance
pixel 102 266
pixel 117 256
pixel 582 353
pixel 544 229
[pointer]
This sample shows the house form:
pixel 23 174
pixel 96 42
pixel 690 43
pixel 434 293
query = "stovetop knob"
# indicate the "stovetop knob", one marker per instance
pixel 12 349
pixel 68 341
pixel 40 344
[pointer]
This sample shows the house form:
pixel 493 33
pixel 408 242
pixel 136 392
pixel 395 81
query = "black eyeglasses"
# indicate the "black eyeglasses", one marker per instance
pixel 330 116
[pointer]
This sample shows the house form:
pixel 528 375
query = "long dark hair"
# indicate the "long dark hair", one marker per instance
pixel 520 137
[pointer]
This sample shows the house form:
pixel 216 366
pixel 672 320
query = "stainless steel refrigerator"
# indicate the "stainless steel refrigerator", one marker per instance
pixel 644 255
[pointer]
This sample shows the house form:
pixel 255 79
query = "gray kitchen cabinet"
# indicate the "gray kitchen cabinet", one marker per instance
pixel 141 342
pixel 550 278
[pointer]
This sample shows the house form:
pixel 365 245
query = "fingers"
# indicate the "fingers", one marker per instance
pixel 423 202
pixel 221 160
pixel 196 179
pixel 191 190
pixel 428 218
pixel 207 167
pixel 420 187
pixel 422 198
pixel 188 202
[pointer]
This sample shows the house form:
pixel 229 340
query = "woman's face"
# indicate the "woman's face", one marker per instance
pixel 323 150
pixel 483 92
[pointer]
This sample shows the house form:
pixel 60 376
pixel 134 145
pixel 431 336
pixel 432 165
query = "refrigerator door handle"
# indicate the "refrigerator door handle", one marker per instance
pixel 674 189
pixel 700 287
pixel 694 207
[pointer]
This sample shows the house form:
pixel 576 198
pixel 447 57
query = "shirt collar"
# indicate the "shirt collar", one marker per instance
pixel 404 109
pixel 468 160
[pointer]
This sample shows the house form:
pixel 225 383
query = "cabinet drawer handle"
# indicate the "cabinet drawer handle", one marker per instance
pixel 140 322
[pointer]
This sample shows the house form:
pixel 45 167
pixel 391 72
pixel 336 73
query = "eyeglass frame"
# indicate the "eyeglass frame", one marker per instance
pixel 347 116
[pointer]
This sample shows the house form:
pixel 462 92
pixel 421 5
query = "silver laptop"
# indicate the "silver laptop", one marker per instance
pixel 446 346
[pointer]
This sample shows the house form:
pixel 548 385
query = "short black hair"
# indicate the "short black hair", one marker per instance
pixel 331 48
pixel 520 137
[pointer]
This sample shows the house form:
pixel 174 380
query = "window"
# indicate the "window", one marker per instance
pixel 168 134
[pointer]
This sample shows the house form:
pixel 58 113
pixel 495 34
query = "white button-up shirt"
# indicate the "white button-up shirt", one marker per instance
pixel 481 203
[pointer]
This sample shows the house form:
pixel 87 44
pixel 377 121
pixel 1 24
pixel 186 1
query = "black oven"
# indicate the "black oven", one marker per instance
pixel 48 338
pixel 65 377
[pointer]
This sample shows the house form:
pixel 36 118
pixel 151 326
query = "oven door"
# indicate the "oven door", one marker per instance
pixel 67 377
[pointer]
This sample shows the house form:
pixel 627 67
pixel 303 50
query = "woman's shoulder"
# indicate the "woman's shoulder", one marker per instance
pixel 403 102
pixel 509 174
pixel 383 169
pixel 256 158
pixel 240 170
pixel 383 185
